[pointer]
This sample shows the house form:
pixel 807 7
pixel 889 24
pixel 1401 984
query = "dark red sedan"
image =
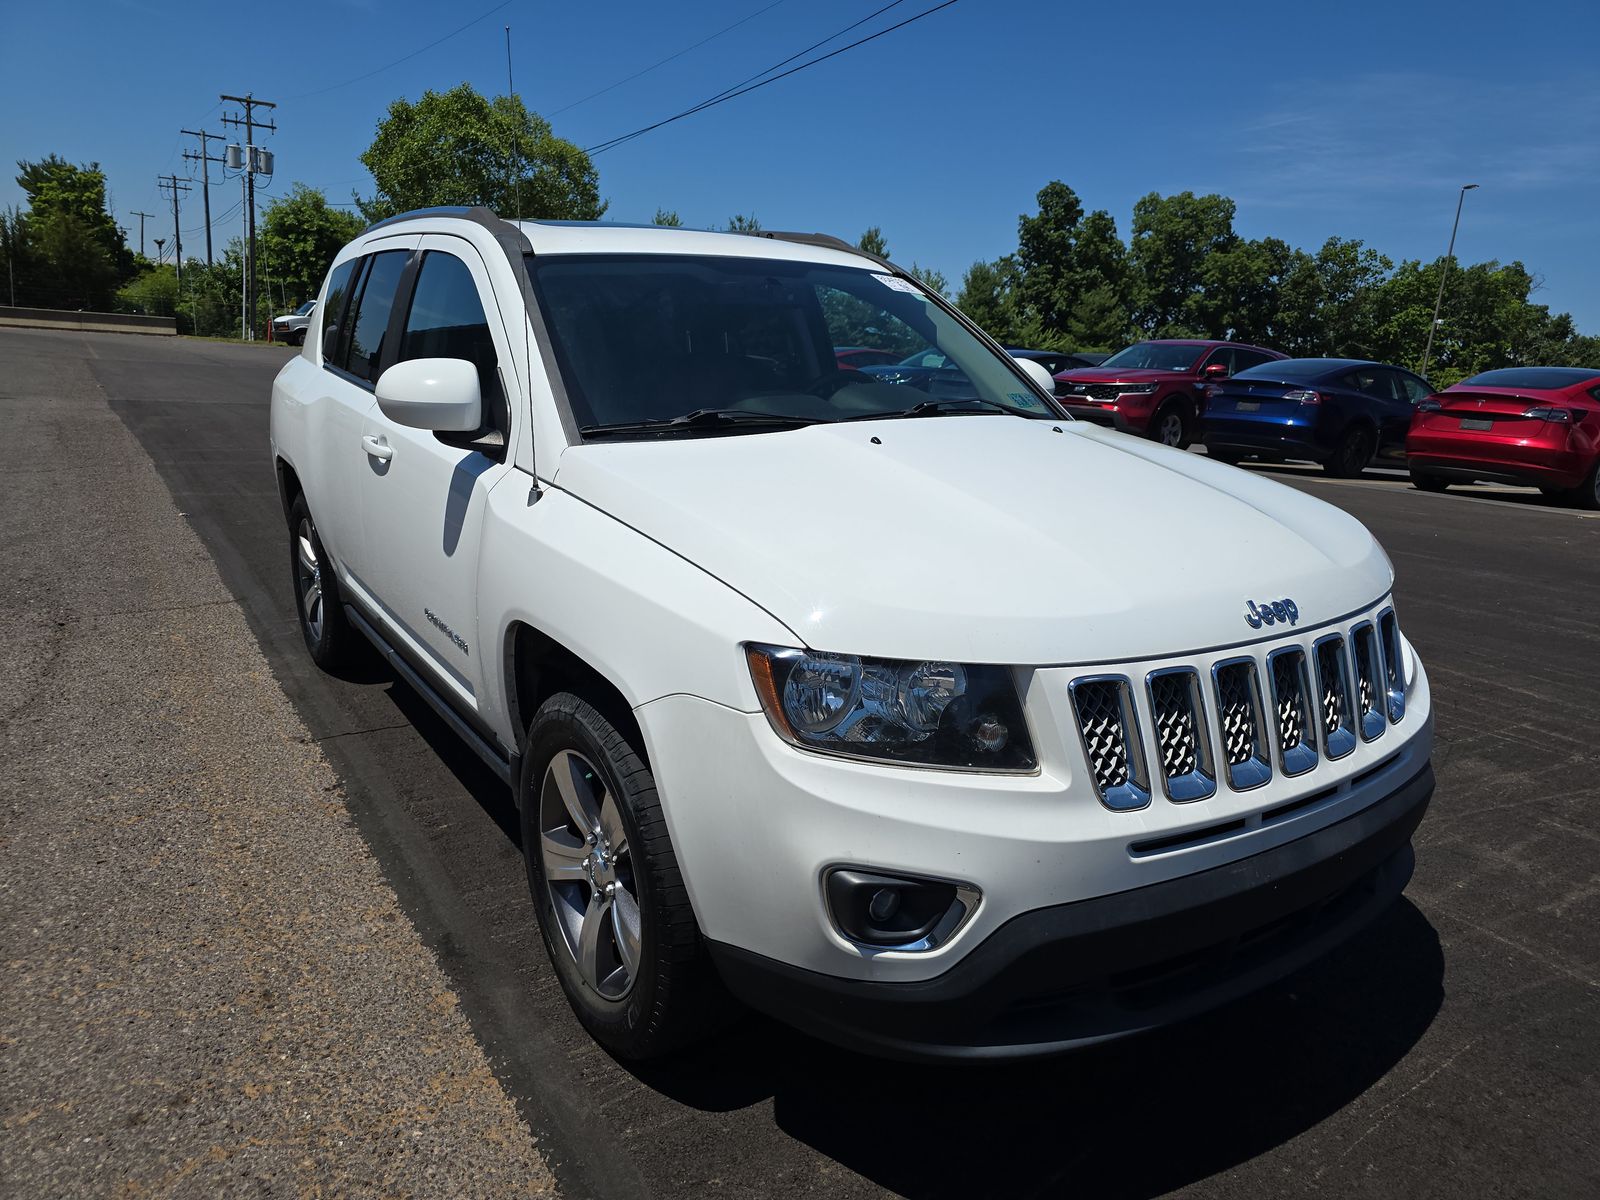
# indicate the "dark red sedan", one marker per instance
pixel 1535 426
pixel 1155 389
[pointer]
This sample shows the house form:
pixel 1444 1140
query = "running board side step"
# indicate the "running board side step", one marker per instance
pixel 506 769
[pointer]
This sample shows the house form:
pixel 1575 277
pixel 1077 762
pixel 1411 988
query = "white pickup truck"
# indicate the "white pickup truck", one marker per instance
pixel 932 722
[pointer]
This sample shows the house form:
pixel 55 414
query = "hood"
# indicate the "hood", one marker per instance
pixel 985 539
pixel 1119 375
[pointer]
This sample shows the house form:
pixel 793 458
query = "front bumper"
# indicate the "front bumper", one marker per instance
pixel 1074 974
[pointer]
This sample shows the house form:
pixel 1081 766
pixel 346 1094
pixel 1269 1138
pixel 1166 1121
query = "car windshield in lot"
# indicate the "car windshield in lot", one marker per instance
pixel 1156 356
pixel 1539 378
pixel 689 345
pixel 305 308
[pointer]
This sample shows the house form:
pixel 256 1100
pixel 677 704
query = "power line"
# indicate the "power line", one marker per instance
pixel 175 185
pixel 205 158
pixel 724 97
pixel 251 165
pixel 333 87
pixel 663 62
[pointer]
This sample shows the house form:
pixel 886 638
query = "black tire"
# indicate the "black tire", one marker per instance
pixel 1587 493
pixel 673 996
pixel 1352 455
pixel 1428 483
pixel 1232 457
pixel 326 630
pixel 1173 425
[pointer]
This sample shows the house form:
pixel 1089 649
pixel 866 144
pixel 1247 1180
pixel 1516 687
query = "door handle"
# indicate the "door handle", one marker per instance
pixel 377 447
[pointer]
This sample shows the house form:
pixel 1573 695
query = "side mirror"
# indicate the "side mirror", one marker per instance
pixel 439 394
pixel 1036 372
pixel 1215 371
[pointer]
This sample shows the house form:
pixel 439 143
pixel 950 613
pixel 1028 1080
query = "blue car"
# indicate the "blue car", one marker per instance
pixel 1341 412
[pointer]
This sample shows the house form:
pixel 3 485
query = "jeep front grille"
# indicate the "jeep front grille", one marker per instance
pixel 1369 680
pixel 1110 732
pixel 1393 671
pixel 1178 710
pixel 1291 705
pixel 1333 686
pixel 1239 717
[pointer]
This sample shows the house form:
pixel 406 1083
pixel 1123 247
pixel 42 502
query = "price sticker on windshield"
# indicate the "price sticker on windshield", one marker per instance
pixel 1021 400
pixel 895 283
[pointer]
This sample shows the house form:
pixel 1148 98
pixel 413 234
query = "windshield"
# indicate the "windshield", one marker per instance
pixel 1156 356
pixel 305 308
pixel 648 339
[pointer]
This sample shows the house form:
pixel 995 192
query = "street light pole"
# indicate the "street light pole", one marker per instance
pixel 1449 257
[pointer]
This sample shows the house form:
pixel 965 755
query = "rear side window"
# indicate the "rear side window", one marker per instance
pixel 369 319
pixel 333 311
pixel 1413 388
pixel 447 321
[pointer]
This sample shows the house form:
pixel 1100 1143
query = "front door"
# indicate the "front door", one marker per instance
pixel 423 496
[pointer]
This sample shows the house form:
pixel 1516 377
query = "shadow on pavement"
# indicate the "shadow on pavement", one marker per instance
pixel 1130 1119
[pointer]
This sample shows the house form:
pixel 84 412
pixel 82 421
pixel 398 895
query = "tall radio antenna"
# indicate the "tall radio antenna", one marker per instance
pixel 511 94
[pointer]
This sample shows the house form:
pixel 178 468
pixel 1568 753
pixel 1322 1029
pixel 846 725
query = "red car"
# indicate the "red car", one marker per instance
pixel 1535 426
pixel 1154 389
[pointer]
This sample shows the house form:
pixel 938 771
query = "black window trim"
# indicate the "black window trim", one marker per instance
pixel 358 267
pixel 353 303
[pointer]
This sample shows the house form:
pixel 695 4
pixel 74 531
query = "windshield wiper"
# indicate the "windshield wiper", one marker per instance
pixel 703 418
pixel 940 408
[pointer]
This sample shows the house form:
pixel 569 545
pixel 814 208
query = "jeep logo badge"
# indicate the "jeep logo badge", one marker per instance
pixel 1271 612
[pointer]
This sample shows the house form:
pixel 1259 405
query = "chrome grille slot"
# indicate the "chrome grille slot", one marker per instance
pixel 1291 705
pixel 1333 690
pixel 1182 745
pixel 1369 679
pixel 1393 673
pixel 1109 728
pixel 1239 719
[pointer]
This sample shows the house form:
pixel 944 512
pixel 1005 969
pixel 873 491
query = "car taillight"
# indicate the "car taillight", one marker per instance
pixel 1561 416
pixel 1304 397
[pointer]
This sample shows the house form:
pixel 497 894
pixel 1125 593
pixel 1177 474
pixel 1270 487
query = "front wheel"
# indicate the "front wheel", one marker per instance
pixel 612 907
pixel 1172 426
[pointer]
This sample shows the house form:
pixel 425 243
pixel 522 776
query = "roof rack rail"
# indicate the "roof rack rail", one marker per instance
pixel 827 240
pixel 466 212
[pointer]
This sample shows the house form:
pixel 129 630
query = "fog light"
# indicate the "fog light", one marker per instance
pixel 989 734
pixel 885 903
pixel 893 912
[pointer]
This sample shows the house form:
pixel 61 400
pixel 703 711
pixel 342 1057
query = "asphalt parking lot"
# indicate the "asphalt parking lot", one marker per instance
pixel 1451 1050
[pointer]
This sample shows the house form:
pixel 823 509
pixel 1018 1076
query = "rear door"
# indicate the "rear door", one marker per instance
pixel 423 497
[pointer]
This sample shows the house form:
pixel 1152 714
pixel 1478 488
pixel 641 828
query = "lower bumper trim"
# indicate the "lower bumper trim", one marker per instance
pixel 1057 978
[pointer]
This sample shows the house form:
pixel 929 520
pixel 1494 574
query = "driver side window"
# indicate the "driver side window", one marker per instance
pixel 1223 355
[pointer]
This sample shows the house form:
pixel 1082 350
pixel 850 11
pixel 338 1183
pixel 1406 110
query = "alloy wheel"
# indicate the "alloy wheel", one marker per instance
pixel 588 872
pixel 1172 428
pixel 308 574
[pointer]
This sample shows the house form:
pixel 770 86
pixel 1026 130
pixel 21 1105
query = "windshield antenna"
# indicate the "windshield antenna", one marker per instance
pixel 511 96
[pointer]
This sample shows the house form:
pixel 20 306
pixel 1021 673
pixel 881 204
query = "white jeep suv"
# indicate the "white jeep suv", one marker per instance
pixel 877 708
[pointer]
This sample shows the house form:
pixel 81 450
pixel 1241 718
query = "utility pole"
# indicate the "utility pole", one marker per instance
pixel 205 158
pixel 1444 273
pixel 171 183
pixel 249 124
pixel 141 216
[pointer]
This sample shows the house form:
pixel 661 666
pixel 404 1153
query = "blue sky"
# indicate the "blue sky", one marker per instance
pixel 1354 119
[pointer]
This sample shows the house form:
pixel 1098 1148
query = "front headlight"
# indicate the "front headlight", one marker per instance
pixel 1136 389
pixel 928 714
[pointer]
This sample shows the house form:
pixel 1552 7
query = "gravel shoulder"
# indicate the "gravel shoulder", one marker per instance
pixel 207 987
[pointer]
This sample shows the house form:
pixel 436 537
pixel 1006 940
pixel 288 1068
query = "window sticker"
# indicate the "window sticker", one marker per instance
pixel 895 283
pixel 1022 400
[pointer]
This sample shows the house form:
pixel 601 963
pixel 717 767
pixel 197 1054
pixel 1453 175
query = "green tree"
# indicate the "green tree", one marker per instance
pixel 299 236
pixel 988 295
pixel 872 242
pixel 668 218
pixel 739 223
pixel 457 147
pixel 67 252
pixel 1046 255
pixel 154 293
pixel 1173 237
pixel 931 279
